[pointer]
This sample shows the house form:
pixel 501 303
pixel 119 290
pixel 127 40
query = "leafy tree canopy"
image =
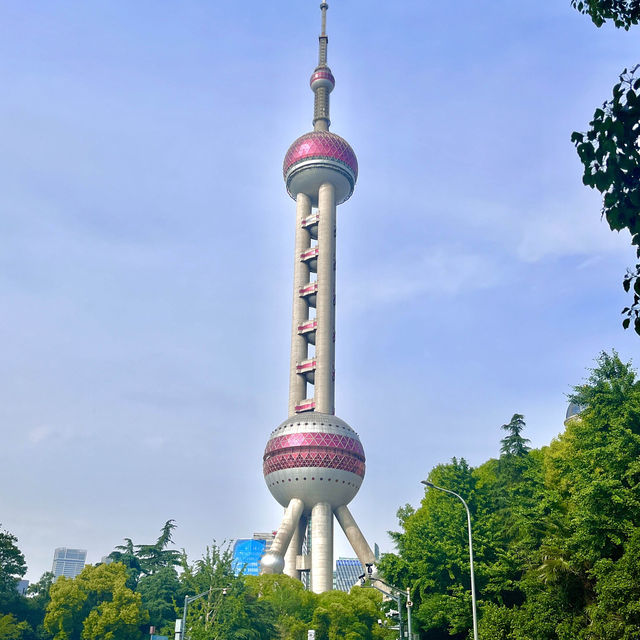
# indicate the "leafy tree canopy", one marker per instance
pixel 11 629
pixel 514 444
pixel 623 13
pixel 155 556
pixel 555 544
pixel 95 605
pixel 610 155
pixel 609 150
pixel 12 563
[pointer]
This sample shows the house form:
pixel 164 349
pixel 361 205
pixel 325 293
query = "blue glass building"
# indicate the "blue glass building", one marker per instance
pixel 246 556
pixel 347 572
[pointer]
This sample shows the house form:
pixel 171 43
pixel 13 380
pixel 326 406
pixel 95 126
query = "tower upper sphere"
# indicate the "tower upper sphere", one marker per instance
pixel 318 157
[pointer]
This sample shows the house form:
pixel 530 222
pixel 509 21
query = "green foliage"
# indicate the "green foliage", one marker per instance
pixel 353 616
pixel 228 608
pixel 96 604
pixel 333 615
pixel 514 444
pixel 147 559
pixel 126 554
pixel 161 593
pixel 294 606
pixel 153 557
pixel 433 554
pixel 12 564
pixel 609 150
pixel 556 543
pixel 623 13
pixel 22 616
pixel 11 629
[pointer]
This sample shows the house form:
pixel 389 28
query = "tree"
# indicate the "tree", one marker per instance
pixel 155 556
pixel 95 605
pixel 609 149
pixel 333 615
pixel 229 609
pixel 12 564
pixel 293 605
pixel 14 605
pixel 350 616
pixel 624 13
pixel 11 629
pixel 126 554
pixel 161 593
pixel 555 545
pixel 147 558
pixel 432 554
pixel 514 444
pixel 36 604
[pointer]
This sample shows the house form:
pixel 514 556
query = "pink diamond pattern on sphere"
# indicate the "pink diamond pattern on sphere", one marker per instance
pixel 321 144
pixel 317 458
pixel 315 440
pixel 325 450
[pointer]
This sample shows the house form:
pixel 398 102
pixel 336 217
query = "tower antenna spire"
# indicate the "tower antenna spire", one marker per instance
pixel 323 39
pixel 323 7
pixel 322 80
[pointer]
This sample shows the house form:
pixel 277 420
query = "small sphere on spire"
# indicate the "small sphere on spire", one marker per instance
pixel 322 77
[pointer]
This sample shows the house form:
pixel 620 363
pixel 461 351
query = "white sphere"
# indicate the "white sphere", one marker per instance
pixel 271 563
pixel 315 457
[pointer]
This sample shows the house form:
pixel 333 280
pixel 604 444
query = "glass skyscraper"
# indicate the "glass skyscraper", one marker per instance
pixel 248 552
pixel 68 562
pixel 347 572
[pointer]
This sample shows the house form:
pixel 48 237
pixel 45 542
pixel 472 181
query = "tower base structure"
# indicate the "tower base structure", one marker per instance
pixel 319 492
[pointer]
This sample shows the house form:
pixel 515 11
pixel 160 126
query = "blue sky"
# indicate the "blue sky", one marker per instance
pixel 147 247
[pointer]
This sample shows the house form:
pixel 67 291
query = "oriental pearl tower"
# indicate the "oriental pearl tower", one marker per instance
pixel 314 462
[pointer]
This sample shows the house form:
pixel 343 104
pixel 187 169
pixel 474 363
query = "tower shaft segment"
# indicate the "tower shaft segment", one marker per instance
pixel 303 328
pixel 314 462
pixel 324 379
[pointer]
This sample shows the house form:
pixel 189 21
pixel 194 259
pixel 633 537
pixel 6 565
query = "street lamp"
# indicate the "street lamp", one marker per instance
pixel 393 592
pixel 430 485
pixel 187 601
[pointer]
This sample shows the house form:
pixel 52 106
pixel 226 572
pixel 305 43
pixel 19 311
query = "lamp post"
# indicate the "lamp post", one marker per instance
pixel 473 582
pixel 396 593
pixel 189 599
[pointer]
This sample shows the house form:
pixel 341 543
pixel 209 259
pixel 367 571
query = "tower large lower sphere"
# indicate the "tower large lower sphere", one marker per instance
pixel 314 462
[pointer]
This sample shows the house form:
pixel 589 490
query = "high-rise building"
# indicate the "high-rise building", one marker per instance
pixel 68 562
pixel 246 558
pixel 314 462
pixel 348 571
pixel 267 536
pixel 247 553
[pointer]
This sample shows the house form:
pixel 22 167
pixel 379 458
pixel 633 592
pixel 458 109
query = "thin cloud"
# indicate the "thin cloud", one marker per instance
pixel 567 232
pixel 438 271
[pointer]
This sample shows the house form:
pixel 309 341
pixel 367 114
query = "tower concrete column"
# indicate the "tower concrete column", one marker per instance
pixel 273 560
pixel 326 298
pixel 297 383
pixel 321 548
pixel 354 535
pixel 295 549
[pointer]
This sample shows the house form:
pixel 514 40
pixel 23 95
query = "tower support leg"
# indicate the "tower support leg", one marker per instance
pixel 321 548
pixel 273 560
pixel 295 549
pixel 354 536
